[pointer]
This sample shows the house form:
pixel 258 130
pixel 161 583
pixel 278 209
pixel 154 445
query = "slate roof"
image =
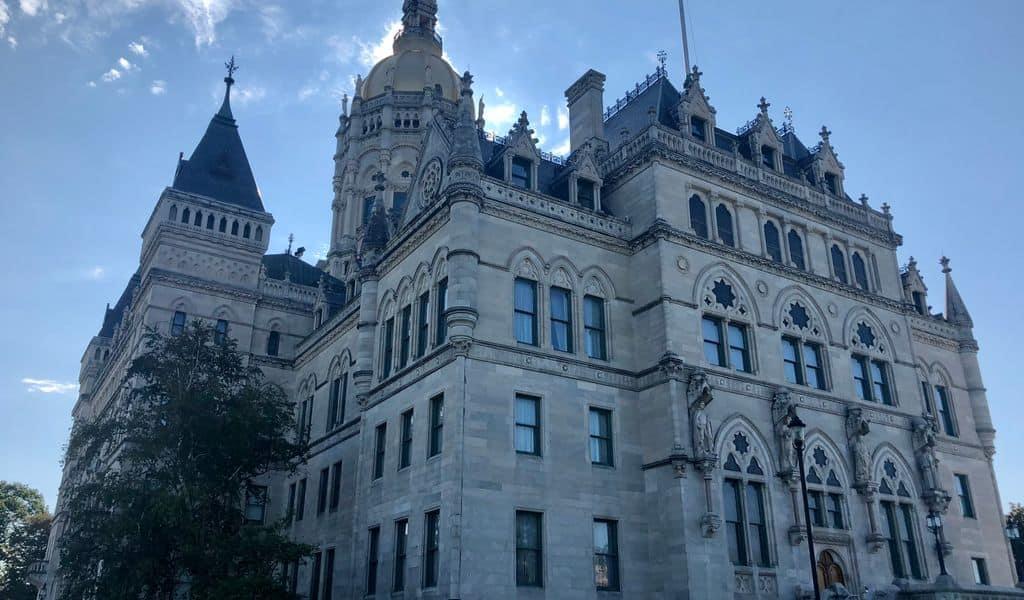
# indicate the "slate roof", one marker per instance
pixel 112 317
pixel 662 95
pixel 218 167
pixel 299 271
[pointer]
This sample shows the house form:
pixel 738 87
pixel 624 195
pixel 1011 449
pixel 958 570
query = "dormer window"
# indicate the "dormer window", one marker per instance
pixel 832 183
pixel 768 157
pixel 585 193
pixel 919 303
pixel 521 169
pixel 699 128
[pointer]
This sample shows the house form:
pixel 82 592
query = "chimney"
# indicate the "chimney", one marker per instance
pixel 586 109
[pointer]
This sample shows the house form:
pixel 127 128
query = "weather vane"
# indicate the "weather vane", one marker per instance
pixel 231 67
pixel 788 114
pixel 662 57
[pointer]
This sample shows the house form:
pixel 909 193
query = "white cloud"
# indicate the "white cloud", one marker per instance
pixel 95 273
pixel 158 87
pixel 342 51
pixel 48 386
pixel 500 117
pixel 138 49
pixel 306 92
pixel 111 75
pixel 563 117
pixel 59 17
pixel 499 92
pixel 32 7
pixel 371 53
pixel 562 149
pixel 247 94
pixel 202 15
pixel 545 116
pixel 12 41
pixel 5 16
pixel 127 66
pixel 91 84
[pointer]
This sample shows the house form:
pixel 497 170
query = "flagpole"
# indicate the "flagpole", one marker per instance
pixel 686 44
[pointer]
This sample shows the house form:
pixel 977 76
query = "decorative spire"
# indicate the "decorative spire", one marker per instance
pixel 225 108
pixel 763 105
pixel 465 140
pixel 825 133
pixel 956 310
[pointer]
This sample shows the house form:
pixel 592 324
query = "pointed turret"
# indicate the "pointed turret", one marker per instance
pixel 466 139
pixel 956 310
pixel 219 167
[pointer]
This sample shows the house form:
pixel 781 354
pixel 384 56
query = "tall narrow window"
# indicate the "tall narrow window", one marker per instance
pixel 768 157
pixel 813 367
pixel 321 491
pixel 739 353
pixel 723 219
pixel 234 228
pixel 526 311
pixel 802 363
pixel 791 361
pixel 757 524
pixel 963 491
pixel 332 407
pixel 436 425
pixel 527 428
pixel 329 575
pixel 314 577
pixel 860 271
pixel 561 319
pixel 381 434
pixel 335 486
pixel 389 347
pixel 943 405
pixel 291 503
pixel 796 249
pixel 529 558
pixel 601 436
pixel 372 559
pixel 606 555
pixel 405 340
pixel 880 379
pixel 980 571
pixel 521 172
pixel 398 201
pixel 698 128
pixel 300 501
pixel 714 349
pixel 255 504
pixel 734 529
pixel 585 193
pixel 223 226
pixel 861 383
pixel 698 216
pixel 431 546
pixel 422 324
pixel 178 323
pixel 367 209
pixel 900 539
pixel 405 452
pixel 593 327
pixel 442 306
pixel 186 216
pixel 273 343
pixel 401 548
pixel 343 398
pixel 772 242
pixel 247 231
pixel 831 183
pixel 839 264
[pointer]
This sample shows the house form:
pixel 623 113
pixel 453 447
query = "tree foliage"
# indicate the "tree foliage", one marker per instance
pixel 24 530
pixel 156 500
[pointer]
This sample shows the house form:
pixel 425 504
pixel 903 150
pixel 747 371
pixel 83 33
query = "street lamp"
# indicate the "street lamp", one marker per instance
pixel 935 525
pixel 798 444
pixel 1013 534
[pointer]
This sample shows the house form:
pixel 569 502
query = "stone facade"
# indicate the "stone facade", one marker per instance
pixel 657 231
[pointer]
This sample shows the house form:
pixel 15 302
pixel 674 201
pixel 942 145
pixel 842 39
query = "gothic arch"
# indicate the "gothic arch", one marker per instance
pixel 722 270
pixel 225 312
pixel 759 445
pixel 566 263
pixel 595 279
pixel 861 314
pixel 939 371
pixel 885 453
pixel 386 306
pixel 404 293
pixel 837 458
pixel 421 278
pixel 795 293
pixel 183 304
pixel 439 264
pixel 527 262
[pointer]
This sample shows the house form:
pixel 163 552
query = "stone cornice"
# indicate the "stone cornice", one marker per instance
pixel 187 281
pixel 541 222
pixel 337 326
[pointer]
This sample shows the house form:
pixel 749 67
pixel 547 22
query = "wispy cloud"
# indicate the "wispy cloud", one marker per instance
pixel 5 16
pixel 371 53
pixel 111 75
pixel 499 92
pixel 563 118
pixel 32 7
pixel 48 386
pixel 204 16
pixel 501 116
pixel 247 94
pixel 91 84
pixel 562 149
pixel 545 116
pixel 95 273
pixel 158 87
pixel 138 49
pixel 123 62
pixel 306 92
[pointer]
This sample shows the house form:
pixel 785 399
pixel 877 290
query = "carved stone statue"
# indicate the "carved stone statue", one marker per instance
pixel 924 451
pixel 699 396
pixel 781 406
pixel 480 108
pixel 344 104
pixel 857 427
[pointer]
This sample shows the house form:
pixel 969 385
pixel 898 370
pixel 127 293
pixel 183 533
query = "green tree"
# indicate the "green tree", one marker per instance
pixel 158 481
pixel 24 529
pixel 1016 517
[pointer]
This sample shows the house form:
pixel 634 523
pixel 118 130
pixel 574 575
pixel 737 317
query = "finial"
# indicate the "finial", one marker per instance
pixel 945 264
pixel 912 264
pixel 863 200
pixel 824 133
pixel 467 83
pixel 662 57
pixel 886 209
pixel 291 238
pixel 225 108
pixel 788 114
pixel 231 67
pixel 763 105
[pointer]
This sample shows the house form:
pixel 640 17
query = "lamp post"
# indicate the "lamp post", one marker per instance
pixel 1013 534
pixel 797 426
pixel 935 525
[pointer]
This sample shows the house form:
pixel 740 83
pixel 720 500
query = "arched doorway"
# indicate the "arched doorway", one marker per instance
pixel 829 570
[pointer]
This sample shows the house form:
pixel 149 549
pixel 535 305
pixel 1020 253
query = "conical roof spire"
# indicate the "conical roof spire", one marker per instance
pixel 466 139
pixel 956 310
pixel 218 167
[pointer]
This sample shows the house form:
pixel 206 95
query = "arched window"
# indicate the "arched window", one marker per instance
pixel 234 228
pixel 830 572
pixel 796 250
pixel 97 354
pixel 259 233
pixel 724 220
pixel 724 328
pixel 744 503
pixel 223 225
pixel 698 216
pixel 209 221
pixel 273 343
pixel 186 216
pixel 173 214
pixel 899 521
pixel 772 242
pixel 839 264
pixel 825 493
pixel 247 231
pixel 860 271
pixel 199 219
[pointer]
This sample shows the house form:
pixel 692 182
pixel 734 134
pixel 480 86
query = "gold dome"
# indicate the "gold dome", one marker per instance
pixel 411 68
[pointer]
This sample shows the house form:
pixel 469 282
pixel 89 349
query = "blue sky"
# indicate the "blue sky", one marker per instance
pixel 99 96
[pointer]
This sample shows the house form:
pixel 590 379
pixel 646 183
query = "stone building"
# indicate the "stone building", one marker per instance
pixel 524 376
